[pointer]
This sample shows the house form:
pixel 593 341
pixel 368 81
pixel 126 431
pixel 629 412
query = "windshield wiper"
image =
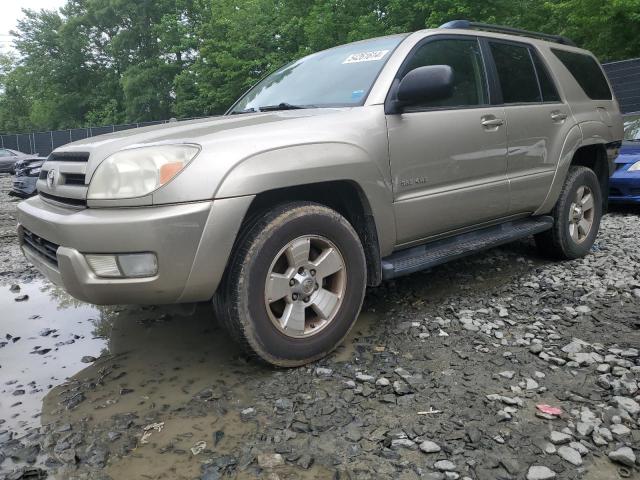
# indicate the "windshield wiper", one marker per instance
pixel 248 110
pixel 281 106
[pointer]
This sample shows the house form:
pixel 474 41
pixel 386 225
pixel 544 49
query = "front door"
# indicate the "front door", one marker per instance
pixel 448 158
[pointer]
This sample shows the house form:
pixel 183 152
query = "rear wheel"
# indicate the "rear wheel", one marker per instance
pixel 577 217
pixel 295 284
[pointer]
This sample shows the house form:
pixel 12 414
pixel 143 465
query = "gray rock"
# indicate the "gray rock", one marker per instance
pixel 429 447
pixel 363 377
pixel 620 430
pixel 559 438
pixel 323 372
pixel 570 455
pixel 383 382
pixel 540 472
pixel 247 414
pixel 627 404
pixel 445 466
pixel 623 455
pixel 403 443
pixel 270 460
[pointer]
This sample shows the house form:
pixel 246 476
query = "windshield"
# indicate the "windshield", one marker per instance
pixel 338 77
pixel 632 128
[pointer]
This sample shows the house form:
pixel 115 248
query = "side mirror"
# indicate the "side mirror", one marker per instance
pixel 423 84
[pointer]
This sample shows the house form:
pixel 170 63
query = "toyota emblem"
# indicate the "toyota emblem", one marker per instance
pixel 51 178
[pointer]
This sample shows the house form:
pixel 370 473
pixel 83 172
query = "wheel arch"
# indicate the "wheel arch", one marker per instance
pixel 342 176
pixel 590 152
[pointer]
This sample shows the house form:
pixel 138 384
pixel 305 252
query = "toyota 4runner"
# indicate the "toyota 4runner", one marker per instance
pixel 339 170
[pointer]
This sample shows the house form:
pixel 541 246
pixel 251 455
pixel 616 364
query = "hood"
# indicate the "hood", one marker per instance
pixel 201 131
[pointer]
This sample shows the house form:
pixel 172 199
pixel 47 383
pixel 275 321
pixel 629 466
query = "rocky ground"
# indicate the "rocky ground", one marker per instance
pixel 500 366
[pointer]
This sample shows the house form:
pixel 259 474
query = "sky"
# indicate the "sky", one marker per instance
pixel 11 11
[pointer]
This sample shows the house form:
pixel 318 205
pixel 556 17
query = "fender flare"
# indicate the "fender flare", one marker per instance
pixel 581 135
pixel 303 164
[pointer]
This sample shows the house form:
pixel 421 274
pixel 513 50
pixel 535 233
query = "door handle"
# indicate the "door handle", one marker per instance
pixel 492 122
pixel 558 116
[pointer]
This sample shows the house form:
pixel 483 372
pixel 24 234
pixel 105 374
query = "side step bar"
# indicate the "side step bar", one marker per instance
pixel 438 252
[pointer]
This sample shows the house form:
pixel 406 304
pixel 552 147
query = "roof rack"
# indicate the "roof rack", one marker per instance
pixel 466 24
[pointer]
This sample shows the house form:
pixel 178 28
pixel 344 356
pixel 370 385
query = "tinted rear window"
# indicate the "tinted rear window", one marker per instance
pixel 516 73
pixel 587 73
pixel 549 91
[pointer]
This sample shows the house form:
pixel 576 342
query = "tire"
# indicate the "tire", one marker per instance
pixel 273 246
pixel 569 238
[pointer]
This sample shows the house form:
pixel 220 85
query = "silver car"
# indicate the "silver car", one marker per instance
pixel 342 169
pixel 8 159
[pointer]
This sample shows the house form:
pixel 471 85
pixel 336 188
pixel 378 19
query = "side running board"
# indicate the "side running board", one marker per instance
pixel 438 252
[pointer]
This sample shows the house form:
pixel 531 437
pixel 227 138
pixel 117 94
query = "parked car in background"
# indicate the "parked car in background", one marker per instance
pixel 26 177
pixel 8 158
pixel 624 186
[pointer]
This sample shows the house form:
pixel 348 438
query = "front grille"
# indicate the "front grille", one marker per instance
pixel 67 178
pixel 75 202
pixel 43 248
pixel 73 179
pixel 69 157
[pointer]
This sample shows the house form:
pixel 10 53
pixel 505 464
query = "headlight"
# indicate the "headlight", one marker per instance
pixel 635 167
pixel 139 171
pixel 35 171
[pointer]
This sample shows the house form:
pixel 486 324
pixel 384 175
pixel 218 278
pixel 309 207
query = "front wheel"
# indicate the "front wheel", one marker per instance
pixel 577 216
pixel 295 284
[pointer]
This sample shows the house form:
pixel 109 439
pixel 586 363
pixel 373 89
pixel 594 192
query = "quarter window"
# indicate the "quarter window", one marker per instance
pixel 586 72
pixel 465 59
pixel 516 73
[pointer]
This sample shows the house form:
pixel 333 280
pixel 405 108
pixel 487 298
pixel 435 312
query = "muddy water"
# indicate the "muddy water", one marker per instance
pixel 152 362
pixel 34 359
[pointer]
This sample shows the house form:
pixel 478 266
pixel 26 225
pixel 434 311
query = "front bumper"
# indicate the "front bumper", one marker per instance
pixel 624 187
pixel 24 187
pixel 192 242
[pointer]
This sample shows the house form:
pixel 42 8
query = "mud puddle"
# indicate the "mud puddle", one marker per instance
pixel 44 339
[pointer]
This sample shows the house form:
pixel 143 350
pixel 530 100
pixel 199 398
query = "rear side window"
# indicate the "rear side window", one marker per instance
pixel 586 72
pixel 516 73
pixel 548 88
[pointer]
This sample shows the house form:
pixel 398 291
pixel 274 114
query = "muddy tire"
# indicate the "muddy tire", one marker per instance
pixel 294 285
pixel 577 217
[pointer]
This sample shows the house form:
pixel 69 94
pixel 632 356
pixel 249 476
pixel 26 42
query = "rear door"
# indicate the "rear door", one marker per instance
pixel 537 121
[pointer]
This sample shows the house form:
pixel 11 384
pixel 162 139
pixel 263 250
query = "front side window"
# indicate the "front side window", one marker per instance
pixel 586 72
pixel 516 73
pixel 465 59
pixel 338 77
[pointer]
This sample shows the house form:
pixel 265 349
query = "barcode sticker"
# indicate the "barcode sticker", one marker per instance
pixel 366 56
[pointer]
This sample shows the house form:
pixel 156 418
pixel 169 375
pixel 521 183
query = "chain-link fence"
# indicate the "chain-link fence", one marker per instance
pixel 43 143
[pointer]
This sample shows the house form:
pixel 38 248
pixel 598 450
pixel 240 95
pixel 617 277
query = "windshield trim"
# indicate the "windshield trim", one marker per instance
pixel 401 36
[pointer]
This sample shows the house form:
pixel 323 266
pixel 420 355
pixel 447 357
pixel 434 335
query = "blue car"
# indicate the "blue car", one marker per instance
pixel 625 182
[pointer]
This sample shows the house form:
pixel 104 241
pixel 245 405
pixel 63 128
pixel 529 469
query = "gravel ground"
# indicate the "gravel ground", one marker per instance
pixel 500 366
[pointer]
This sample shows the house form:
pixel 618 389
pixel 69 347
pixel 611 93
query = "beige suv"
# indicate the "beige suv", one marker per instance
pixel 340 170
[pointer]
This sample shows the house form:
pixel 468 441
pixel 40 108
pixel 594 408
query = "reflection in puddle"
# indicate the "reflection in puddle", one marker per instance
pixel 44 339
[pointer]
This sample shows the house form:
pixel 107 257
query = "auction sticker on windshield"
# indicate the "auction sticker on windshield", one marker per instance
pixel 366 56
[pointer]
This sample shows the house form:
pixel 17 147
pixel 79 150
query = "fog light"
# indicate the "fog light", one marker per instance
pixel 138 264
pixel 104 265
pixel 132 265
